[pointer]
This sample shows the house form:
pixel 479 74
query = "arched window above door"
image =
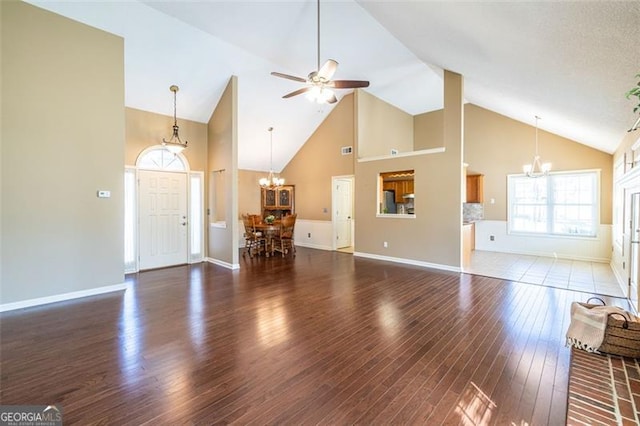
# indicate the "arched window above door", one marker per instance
pixel 158 158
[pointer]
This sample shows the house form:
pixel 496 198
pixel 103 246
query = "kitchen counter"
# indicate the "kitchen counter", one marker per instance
pixel 468 242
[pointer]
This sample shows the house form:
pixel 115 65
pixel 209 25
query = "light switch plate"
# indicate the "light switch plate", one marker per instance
pixel 104 194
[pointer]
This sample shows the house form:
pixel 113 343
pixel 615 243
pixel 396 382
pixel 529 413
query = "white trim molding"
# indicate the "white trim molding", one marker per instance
pixel 62 297
pixel 403 154
pixel 409 261
pixel 222 263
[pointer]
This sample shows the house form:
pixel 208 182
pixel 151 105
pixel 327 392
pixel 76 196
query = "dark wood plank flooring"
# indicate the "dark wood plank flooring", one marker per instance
pixel 323 338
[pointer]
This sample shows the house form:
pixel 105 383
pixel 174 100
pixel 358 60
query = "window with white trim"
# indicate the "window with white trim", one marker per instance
pixel 130 221
pixel 196 194
pixel 158 158
pixel 562 203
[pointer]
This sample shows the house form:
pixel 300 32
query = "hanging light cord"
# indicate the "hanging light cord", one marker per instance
pixel 271 149
pixel 175 119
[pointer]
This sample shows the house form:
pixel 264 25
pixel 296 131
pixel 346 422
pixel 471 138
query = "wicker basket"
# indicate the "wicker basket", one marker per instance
pixel 621 337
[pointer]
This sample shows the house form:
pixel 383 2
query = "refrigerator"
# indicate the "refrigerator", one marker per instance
pixel 389 202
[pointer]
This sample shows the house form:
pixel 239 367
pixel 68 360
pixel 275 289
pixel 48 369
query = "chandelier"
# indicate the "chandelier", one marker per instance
pixel 271 181
pixel 536 168
pixel 174 144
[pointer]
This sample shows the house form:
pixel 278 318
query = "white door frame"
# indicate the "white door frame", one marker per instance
pixel 188 172
pixel 334 232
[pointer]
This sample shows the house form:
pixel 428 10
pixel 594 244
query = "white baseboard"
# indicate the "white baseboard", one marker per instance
pixel 621 280
pixel 408 262
pixel 313 246
pixel 62 297
pixel 562 256
pixel 223 263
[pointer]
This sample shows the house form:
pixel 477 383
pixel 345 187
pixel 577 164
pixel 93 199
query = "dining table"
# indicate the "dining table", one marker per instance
pixel 269 230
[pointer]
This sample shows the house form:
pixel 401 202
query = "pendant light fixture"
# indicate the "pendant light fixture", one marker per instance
pixel 536 168
pixel 271 181
pixel 174 145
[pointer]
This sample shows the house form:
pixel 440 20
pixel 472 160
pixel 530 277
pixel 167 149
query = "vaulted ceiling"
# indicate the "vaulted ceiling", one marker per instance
pixel 567 62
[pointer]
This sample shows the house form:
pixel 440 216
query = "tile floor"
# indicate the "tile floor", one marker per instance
pixel 590 277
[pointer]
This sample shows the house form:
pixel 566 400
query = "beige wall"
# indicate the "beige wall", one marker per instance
pixel 222 136
pixel 63 111
pixel 249 191
pixel 496 145
pixel 428 130
pixel 434 236
pixel 382 127
pixel 320 158
pixel 145 129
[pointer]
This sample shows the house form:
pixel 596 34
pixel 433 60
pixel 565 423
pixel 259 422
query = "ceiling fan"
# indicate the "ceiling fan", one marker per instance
pixel 318 83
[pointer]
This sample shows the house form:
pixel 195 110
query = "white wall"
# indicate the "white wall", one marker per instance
pixel 589 249
pixel 321 232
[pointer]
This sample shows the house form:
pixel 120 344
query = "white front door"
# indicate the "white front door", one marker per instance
pixel 163 219
pixel 342 211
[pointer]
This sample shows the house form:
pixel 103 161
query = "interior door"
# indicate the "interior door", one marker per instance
pixel 634 249
pixel 163 219
pixel 343 211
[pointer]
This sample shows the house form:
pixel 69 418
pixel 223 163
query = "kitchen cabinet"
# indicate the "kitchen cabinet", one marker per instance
pixel 475 188
pixel 403 187
pixel 278 201
pixel 400 187
pixel 408 186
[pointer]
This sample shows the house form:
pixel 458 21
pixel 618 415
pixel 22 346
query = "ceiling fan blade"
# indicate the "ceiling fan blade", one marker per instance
pixel 289 77
pixel 297 92
pixel 348 84
pixel 332 99
pixel 328 69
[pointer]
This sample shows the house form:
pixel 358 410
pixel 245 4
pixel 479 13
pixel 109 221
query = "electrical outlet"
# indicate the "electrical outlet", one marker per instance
pixel 492 238
pixel 385 245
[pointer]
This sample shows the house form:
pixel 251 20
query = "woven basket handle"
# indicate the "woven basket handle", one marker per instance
pixel 597 298
pixel 626 321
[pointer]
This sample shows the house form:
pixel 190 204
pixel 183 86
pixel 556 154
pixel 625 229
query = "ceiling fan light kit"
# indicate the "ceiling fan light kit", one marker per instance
pixel 318 83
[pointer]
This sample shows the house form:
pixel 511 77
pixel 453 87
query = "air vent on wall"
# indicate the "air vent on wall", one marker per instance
pixel 346 150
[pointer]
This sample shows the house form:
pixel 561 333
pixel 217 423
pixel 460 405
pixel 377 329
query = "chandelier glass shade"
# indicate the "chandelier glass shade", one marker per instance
pixel 174 145
pixel 272 180
pixel 537 168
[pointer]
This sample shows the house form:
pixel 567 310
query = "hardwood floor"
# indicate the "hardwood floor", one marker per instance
pixel 320 338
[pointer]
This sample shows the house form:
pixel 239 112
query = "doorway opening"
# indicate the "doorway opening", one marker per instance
pixel 342 213
pixel 163 211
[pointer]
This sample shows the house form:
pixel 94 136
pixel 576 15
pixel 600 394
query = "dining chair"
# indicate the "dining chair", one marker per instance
pixel 283 240
pixel 254 241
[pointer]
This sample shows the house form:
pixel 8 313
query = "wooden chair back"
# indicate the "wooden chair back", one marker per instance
pixel 287 226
